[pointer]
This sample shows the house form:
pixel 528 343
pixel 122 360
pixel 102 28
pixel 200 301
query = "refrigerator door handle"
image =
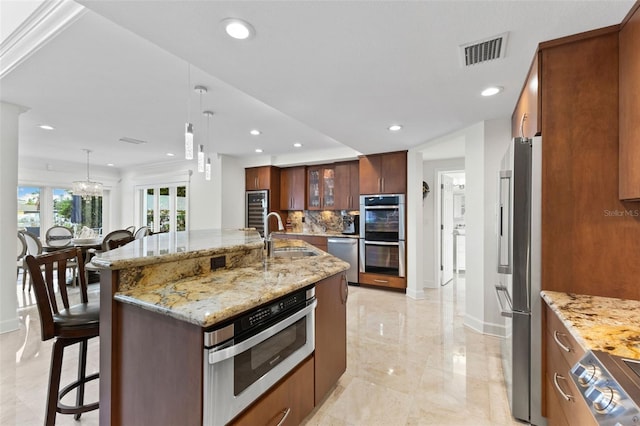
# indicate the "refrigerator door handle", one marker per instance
pixel 504 312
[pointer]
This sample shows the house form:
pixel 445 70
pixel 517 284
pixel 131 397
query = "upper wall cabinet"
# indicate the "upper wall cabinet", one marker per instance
pixel 293 188
pixel 629 71
pixel 383 173
pixel 321 189
pixel 525 120
pixel 257 178
pixel 347 186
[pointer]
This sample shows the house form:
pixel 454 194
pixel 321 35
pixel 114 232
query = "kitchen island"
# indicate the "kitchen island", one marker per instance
pixel 159 294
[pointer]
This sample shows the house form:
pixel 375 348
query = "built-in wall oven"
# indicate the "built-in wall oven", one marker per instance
pixel 244 358
pixel 382 234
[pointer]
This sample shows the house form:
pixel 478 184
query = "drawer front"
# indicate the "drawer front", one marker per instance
pixel 562 339
pixel 288 403
pixel 562 391
pixel 555 415
pixel 382 280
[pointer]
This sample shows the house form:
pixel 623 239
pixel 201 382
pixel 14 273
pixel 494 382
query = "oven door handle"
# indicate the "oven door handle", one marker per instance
pixel 382 243
pixel 383 207
pixel 226 353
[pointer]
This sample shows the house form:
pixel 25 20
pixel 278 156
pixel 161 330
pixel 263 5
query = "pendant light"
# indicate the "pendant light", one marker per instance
pixel 188 127
pixel 87 189
pixel 207 166
pixel 200 90
pixel 200 158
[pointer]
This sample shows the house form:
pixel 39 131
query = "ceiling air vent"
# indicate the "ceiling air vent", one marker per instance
pixel 132 140
pixel 483 51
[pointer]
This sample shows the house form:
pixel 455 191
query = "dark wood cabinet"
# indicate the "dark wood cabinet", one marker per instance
pixel 331 333
pixel 293 184
pixel 383 173
pixel 525 120
pixel 265 177
pixel 314 240
pixel 347 185
pixel 586 228
pixel 321 187
pixel 380 280
pixel 287 403
pixel 629 136
pixel 561 353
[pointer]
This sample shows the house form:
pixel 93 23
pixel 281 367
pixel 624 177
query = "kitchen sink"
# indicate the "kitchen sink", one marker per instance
pixel 293 252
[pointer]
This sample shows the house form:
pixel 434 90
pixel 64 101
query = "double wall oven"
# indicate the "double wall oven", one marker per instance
pixel 244 358
pixel 382 234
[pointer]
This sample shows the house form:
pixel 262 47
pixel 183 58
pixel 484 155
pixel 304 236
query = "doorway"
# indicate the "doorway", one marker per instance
pixel 451 225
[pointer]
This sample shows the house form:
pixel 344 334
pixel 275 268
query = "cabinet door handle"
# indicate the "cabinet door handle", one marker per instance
pixel 566 396
pixel 345 290
pixel 382 186
pixel 381 281
pixel 285 414
pixel 557 339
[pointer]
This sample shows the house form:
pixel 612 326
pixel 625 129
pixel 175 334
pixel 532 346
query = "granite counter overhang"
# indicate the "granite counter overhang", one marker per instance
pixel 599 323
pixel 209 299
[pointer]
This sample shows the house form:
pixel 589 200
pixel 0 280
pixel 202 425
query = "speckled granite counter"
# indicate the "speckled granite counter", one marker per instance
pixel 208 298
pixel 316 234
pixel 172 246
pixel 599 323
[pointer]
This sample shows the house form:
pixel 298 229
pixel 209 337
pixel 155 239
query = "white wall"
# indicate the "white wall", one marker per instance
pixel 429 217
pixel 485 145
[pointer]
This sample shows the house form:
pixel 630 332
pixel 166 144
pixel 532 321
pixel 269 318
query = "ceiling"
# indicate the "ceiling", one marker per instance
pixel 327 74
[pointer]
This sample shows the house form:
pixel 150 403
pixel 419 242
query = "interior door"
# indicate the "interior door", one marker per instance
pixel 446 230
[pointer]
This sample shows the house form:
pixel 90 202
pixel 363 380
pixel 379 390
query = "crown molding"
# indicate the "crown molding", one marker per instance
pixel 47 21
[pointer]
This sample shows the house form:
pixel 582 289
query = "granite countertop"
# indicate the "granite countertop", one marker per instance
pixel 208 299
pixel 599 323
pixel 327 234
pixel 172 246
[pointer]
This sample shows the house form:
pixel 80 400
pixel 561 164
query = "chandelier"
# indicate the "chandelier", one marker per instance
pixel 87 188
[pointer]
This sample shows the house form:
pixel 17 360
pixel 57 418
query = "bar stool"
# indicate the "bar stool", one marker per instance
pixel 70 325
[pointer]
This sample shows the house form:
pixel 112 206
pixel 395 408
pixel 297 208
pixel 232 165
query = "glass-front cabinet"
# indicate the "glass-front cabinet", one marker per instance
pixel 321 190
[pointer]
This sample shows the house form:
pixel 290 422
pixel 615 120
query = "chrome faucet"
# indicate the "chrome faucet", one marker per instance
pixel 267 234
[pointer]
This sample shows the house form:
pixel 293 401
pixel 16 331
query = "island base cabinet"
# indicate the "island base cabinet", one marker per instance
pixel 288 403
pixel 331 334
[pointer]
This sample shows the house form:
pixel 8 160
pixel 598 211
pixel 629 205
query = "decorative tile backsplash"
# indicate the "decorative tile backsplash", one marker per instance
pixel 317 221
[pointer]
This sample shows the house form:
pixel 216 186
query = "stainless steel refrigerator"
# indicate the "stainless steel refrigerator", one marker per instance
pixel 257 204
pixel 518 287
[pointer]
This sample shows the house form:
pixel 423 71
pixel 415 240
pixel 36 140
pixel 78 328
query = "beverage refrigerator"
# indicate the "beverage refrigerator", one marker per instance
pixel 257 205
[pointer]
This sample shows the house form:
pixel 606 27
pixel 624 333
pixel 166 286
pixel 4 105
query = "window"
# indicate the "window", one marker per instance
pixel 164 208
pixel 43 207
pixel 29 209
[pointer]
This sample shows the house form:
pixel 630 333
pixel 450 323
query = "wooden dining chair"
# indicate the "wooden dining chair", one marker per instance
pixel 68 324
pixel 58 236
pixel 22 252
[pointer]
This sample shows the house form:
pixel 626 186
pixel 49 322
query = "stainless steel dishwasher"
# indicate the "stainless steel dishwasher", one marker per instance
pixel 347 250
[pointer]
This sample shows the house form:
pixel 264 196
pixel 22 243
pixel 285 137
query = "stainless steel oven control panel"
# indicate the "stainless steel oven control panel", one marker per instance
pixel 609 391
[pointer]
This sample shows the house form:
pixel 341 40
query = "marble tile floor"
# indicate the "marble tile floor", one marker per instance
pixel 409 362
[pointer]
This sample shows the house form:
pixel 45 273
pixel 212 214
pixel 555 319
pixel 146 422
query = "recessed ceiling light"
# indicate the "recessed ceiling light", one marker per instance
pixel 395 128
pixel 255 132
pixel 238 29
pixel 170 154
pixel 46 127
pixel 297 145
pixel 258 150
pixel 110 164
pixel 490 91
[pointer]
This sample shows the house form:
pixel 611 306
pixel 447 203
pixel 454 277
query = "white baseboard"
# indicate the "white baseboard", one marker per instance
pixel 430 284
pixel 416 294
pixel 9 325
pixel 484 327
